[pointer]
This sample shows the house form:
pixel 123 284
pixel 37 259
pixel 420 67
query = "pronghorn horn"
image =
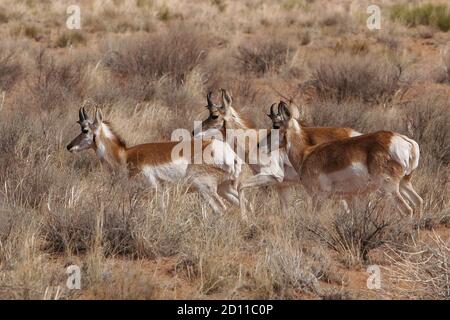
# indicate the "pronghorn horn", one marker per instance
pixel 81 114
pixel 208 98
pixel 272 110
pixel 86 116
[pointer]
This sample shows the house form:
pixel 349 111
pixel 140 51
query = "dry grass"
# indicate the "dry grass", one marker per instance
pixel 265 56
pixel 421 270
pixel 149 64
pixel 370 78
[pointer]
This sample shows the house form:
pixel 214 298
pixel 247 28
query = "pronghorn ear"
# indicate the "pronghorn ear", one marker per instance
pixel 98 115
pixel 294 112
pixel 284 111
pixel 226 99
pixel 288 112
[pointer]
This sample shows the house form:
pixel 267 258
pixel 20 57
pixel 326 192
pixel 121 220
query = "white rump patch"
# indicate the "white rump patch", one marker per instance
pixel 405 151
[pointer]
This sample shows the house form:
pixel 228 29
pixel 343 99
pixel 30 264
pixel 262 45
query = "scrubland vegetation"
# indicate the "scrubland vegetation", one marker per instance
pixel 149 65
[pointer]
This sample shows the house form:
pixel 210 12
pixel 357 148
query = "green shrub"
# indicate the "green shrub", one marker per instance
pixel 427 14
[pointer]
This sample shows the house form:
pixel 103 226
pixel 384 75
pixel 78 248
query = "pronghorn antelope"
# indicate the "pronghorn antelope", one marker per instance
pixel 278 171
pixel 381 161
pixel 156 162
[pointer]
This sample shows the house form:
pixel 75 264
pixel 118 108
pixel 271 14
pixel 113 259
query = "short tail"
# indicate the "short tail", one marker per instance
pixel 414 155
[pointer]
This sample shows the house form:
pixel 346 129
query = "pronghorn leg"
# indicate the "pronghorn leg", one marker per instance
pixel 254 181
pixel 219 200
pixel 392 188
pixel 215 206
pixel 207 187
pixel 227 191
pixel 407 188
pixel 402 204
pixel 284 193
pixel 159 198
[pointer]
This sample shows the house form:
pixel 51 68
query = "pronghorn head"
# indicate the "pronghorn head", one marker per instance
pixel 275 117
pixel 287 117
pixel 283 119
pixel 218 114
pixel 89 128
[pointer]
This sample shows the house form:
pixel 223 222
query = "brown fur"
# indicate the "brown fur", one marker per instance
pixel 318 135
pixel 369 149
pixel 372 150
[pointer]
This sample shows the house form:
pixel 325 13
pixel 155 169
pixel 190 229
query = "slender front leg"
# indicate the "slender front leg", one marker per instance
pixel 284 193
pixel 227 191
pixel 254 181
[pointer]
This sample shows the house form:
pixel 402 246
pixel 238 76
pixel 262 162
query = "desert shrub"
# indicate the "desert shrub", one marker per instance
pixel 211 254
pixel 446 60
pixel 305 38
pixel 54 84
pixel 10 69
pixel 3 17
pixel 429 120
pixel 118 215
pixel 422 270
pixel 155 67
pixel 144 3
pixel 367 77
pixel 356 114
pixel 286 267
pixel 263 56
pixel 354 234
pixel 426 14
pixel 67 39
pixel 173 54
pixel 220 4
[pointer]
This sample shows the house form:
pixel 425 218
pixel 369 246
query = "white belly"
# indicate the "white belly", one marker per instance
pixel 170 172
pixel 353 179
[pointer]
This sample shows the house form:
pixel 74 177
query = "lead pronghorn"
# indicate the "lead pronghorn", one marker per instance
pixel 279 172
pixel 157 163
pixel 381 161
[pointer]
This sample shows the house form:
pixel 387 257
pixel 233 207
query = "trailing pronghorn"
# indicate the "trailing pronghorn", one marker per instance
pixel 278 171
pixel 157 163
pixel 381 161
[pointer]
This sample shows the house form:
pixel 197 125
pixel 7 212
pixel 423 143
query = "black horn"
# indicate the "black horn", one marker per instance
pixel 86 116
pixel 81 114
pixel 272 110
pixel 208 98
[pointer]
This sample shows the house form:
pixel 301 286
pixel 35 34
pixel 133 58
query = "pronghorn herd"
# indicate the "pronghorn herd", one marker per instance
pixel 329 162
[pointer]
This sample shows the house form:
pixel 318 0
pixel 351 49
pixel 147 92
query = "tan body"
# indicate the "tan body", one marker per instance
pixel 156 163
pixel 380 161
pixel 280 173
